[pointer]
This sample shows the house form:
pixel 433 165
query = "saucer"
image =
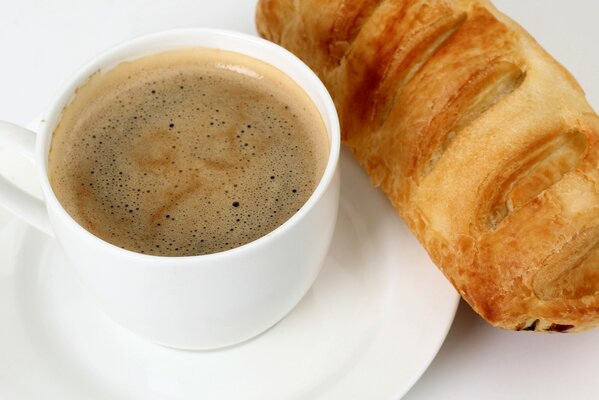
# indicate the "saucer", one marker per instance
pixel 368 328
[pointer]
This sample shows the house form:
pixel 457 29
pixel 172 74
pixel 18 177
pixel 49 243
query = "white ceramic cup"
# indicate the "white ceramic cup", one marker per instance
pixel 198 302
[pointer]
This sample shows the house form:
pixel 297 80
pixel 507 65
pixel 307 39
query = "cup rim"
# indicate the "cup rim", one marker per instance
pixel 101 61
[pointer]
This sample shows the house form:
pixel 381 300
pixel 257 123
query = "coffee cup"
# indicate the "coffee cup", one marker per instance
pixel 190 302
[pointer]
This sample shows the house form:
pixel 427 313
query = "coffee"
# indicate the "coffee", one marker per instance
pixel 187 152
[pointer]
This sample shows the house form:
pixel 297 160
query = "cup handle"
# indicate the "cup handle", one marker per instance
pixel 33 211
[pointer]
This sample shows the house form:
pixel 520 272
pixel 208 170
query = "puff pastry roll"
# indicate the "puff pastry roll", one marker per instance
pixel 483 143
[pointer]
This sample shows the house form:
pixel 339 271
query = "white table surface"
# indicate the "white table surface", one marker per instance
pixel 42 43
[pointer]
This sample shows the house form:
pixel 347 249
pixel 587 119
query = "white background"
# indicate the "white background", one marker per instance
pixel 42 43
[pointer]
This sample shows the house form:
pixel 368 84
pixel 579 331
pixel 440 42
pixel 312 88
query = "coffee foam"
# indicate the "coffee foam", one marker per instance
pixel 187 152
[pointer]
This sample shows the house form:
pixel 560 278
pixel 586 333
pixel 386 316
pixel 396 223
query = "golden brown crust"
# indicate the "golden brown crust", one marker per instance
pixel 484 144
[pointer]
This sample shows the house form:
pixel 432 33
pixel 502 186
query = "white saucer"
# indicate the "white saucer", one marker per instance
pixel 368 329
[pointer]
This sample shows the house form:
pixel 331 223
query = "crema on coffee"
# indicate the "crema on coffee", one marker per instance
pixel 187 152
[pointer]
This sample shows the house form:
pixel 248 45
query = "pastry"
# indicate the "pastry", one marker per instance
pixel 484 144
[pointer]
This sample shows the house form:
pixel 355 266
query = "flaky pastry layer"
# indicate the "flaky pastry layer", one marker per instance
pixel 484 144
